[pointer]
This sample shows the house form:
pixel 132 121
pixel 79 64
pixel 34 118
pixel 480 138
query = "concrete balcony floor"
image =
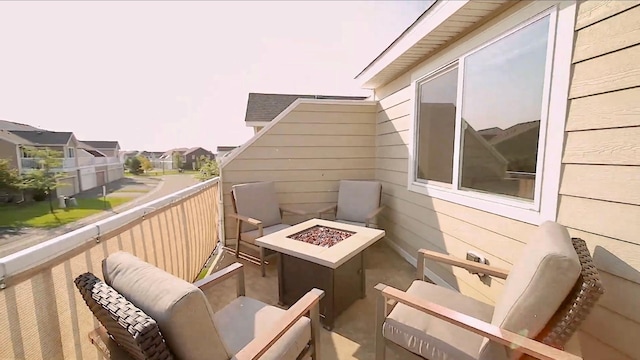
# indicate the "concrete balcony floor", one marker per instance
pixel 353 334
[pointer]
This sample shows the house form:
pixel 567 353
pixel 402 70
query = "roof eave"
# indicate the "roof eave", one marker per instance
pixel 435 29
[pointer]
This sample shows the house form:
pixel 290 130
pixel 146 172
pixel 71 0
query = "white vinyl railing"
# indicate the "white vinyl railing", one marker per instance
pixel 44 316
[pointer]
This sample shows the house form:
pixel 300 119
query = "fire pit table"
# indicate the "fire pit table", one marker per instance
pixel 322 254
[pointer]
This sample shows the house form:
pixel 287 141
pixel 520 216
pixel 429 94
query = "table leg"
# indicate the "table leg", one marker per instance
pixel 280 280
pixel 363 278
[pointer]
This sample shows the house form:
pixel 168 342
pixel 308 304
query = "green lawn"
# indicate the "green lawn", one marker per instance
pixel 37 214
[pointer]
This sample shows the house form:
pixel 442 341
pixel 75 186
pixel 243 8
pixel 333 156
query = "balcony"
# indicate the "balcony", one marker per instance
pixel 47 318
pixel 34 163
pixel 70 163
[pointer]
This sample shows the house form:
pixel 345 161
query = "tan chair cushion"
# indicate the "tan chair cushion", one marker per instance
pixel 259 201
pixel 245 318
pixel 356 223
pixel 432 338
pixel 180 308
pixel 537 285
pixel 357 199
pixel 251 236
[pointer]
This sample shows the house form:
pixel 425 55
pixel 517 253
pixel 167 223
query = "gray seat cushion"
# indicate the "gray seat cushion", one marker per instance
pixel 180 308
pixel 537 285
pixel 245 318
pixel 251 236
pixel 258 201
pixel 432 338
pixel 357 199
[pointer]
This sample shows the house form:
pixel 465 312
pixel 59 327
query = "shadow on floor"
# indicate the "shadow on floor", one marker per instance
pixel 353 334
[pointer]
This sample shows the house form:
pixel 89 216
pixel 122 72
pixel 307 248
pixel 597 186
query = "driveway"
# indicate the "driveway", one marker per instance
pixel 144 189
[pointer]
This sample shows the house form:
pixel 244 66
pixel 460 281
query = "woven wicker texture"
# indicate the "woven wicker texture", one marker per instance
pixel 130 327
pixel 578 304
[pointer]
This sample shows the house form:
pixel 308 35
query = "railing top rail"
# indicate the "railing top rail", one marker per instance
pixel 31 257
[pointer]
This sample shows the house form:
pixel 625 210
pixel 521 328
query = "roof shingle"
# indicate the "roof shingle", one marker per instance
pixel 265 107
pixel 42 137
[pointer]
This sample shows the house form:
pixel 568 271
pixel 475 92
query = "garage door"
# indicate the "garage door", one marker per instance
pixel 87 179
pixel 67 186
pixel 115 174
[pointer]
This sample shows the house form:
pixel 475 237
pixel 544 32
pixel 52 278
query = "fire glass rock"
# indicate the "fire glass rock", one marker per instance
pixel 321 236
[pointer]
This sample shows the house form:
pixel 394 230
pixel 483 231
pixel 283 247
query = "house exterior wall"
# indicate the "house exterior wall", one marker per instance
pixel 8 152
pixel 599 198
pixel 191 163
pixel 306 153
pixel 600 186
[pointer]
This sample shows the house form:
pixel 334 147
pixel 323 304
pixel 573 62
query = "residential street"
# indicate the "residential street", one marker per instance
pixel 145 189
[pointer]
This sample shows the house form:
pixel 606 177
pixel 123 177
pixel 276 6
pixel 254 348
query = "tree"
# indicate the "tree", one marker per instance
pixel 208 169
pixel 177 160
pixel 43 180
pixel 134 166
pixel 145 163
pixel 8 176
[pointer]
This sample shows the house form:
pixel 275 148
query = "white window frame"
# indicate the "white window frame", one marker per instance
pixel 551 139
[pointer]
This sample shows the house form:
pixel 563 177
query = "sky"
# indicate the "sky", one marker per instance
pixel 159 75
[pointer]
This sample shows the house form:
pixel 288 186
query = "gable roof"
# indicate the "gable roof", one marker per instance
pixel 265 107
pixel 196 148
pixel 10 125
pixel 102 144
pixel 172 151
pixel 42 137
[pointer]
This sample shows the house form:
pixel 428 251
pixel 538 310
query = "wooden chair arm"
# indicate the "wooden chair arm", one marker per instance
pixel 108 348
pixel 325 209
pixel 259 345
pixel 373 214
pixel 518 342
pixel 251 221
pixel 463 263
pixel 293 210
pixel 219 276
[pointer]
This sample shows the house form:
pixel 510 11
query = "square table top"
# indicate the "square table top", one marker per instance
pixel 333 256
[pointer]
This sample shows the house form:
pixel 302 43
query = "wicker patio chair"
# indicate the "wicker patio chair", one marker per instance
pixel 358 202
pixel 546 296
pixel 257 213
pixel 147 313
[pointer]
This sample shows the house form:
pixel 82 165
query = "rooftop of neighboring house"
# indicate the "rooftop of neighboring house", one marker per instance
pixel 13 138
pixel 102 144
pixel 193 149
pixel 225 148
pixel 174 150
pixel 10 126
pixel 265 107
pixel 43 137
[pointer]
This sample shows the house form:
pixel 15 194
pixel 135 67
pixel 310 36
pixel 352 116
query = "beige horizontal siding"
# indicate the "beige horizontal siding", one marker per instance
pixel 600 186
pixel 608 110
pixel 306 153
pixel 599 199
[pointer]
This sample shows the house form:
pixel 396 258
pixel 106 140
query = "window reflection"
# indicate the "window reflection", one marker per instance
pixel 501 112
pixel 436 127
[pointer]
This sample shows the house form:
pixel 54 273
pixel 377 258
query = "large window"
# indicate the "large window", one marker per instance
pixel 480 121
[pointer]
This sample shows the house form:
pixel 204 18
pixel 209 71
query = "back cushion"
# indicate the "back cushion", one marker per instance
pixel 180 308
pixel 536 286
pixel 259 201
pixel 357 199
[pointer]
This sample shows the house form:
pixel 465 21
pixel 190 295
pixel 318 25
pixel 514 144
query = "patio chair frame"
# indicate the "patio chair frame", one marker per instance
pixel 547 345
pixel 309 305
pixel 257 223
pixel 368 221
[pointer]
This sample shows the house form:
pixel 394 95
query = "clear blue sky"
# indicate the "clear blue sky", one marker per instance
pixel 157 75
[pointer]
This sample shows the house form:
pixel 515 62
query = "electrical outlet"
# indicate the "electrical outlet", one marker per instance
pixel 475 257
